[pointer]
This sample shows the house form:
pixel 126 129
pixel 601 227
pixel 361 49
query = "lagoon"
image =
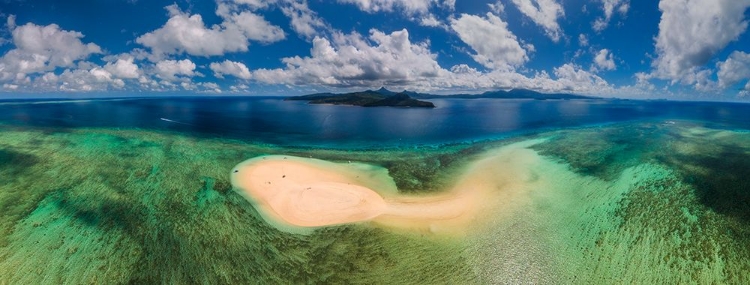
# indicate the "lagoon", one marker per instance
pixel 583 191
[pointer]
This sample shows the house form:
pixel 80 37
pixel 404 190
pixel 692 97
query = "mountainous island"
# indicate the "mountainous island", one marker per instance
pixel 369 98
pixel 386 98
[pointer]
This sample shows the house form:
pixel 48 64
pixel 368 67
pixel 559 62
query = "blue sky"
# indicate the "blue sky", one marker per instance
pixel 676 49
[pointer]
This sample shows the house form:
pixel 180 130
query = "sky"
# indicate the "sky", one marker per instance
pixel 671 49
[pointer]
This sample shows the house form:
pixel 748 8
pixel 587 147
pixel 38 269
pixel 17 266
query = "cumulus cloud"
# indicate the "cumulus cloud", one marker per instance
pixel 544 13
pixel 169 69
pixel 609 7
pixel 77 80
pixel 304 21
pixel 9 86
pixel 228 67
pixel 40 50
pixel 123 68
pixel 496 47
pixel 336 59
pixel 211 87
pixel 408 6
pixel 88 80
pixel 735 69
pixel 351 60
pixel 429 20
pixel 184 33
pixel 252 26
pixel 604 60
pixel 43 48
pixel 566 78
pixel 691 32
pixel 573 78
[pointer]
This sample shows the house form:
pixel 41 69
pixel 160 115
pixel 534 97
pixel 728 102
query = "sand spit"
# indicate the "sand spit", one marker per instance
pixel 312 193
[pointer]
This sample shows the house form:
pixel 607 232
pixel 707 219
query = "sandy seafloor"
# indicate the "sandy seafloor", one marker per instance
pixel 648 202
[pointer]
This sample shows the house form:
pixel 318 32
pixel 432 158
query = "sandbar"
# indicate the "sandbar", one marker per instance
pixel 308 192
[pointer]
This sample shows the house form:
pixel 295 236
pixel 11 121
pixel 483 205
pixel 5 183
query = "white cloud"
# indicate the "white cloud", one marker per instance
pixel 49 78
pixel 583 40
pixel 624 8
pixel 304 21
pixel 408 6
pixel 567 78
pixel 79 80
pixel 184 33
pixel 463 69
pixel 353 61
pixel 703 81
pixel 691 32
pixel 609 7
pixel 604 60
pixel 573 78
pixel 735 69
pixel 228 67
pixel 544 13
pixel 239 88
pixel 335 60
pixel 211 87
pixel 10 86
pixel 123 68
pixel 43 48
pixel 169 69
pixel 187 85
pixel 253 4
pixel 498 8
pixel 450 4
pixel 429 20
pixel 642 81
pixel 496 47
pixel 10 22
pixel 253 27
pixel 10 25
pixel 90 78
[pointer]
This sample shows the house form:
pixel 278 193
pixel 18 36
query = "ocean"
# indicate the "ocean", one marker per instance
pixel 138 191
pixel 295 123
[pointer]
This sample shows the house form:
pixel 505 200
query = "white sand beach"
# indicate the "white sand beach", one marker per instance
pixel 312 193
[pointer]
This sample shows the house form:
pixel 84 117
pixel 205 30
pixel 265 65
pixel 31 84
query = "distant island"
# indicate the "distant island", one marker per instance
pixel 369 98
pixel 502 94
pixel 384 97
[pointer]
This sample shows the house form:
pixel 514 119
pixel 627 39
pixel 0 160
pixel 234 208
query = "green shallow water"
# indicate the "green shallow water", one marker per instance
pixel 646 203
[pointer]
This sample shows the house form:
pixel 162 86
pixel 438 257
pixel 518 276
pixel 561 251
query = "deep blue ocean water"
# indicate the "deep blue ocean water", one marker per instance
pixel 295 123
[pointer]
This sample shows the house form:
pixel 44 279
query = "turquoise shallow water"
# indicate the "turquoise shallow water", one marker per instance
pixel 645 202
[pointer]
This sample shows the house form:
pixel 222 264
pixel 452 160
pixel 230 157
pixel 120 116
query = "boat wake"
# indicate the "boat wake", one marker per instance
pixel 173 121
